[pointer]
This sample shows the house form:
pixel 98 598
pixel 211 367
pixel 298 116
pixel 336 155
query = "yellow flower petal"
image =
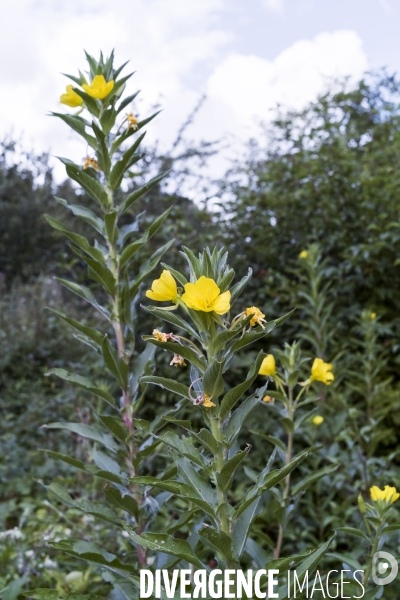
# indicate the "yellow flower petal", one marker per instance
pixel 268 367
pixel 99 88
pixel 388 494
pixel 205 295
pixel 223 303
pixel 163 289
pixel 321 371
pixel 71 98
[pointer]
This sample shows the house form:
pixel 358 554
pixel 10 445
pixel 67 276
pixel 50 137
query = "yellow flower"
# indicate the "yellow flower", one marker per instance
pixel 178 361
pixel 207 401
pixel 321 371
pixel 258 316
pixel 99 87
pixel 205 295
pixel 132 122
pixel 163 289
pixel 71 98
pixel 160 336
pixel 91 162
pixel 318 420
pixel 388 494
pixel 268 366
pixel 303 254
pixel 372 316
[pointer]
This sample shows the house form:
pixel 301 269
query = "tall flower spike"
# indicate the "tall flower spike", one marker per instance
pixel 71 98
pixel 322 371
pixel 205 295
pixel 163 289
pixel 99 88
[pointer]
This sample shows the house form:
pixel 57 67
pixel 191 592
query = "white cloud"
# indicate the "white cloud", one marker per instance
pixel 251 85
pixel 273 5
pixel 178 48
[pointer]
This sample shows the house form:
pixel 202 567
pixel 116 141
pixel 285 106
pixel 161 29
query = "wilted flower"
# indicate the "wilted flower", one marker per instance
pixel 163 289
pixel 268 366
pixel 132 121
pixel 258 316
pixel 207 401
pixel 161 336
pixel 388 494
pixel 303 254
pixel 91 162
pixel 318 420
pixel 99 88
pixel 71 98
pixel 268 399
pixel 178 361
pixel 321 371
pixel 205 295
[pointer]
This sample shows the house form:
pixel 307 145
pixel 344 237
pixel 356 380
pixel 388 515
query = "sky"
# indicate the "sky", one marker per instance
pixel 246 56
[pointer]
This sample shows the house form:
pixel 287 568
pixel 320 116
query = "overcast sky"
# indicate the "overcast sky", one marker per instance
pixel 245 55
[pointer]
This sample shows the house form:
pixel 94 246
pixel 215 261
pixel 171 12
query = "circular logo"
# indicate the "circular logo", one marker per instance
pixel 387 566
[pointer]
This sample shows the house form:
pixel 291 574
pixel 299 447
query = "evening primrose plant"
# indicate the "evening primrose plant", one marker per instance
pixel 291 395
pixel 189 456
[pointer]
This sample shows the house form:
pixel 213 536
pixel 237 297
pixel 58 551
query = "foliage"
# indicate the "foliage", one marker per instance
pixel 139 477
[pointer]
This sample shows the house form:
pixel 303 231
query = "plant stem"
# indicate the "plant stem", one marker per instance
pixel 373 550
pixel 288 458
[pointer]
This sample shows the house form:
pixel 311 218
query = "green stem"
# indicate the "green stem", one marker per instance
pixel 288 458
pixel 373 551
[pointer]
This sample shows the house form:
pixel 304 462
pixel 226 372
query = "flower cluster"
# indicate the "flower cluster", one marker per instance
pixel 98 89
pixel 203 295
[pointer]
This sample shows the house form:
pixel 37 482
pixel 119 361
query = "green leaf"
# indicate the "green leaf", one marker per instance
pixel 86 431
pixel 167 384
pixel 240 415
pixel 309 479
pixel 115 364
pixel 89 184
pixel 79 240
pixel 213 383
pixel 173 318
pixel 389 528
pixel 185 448
pixel 121 166
pixel 77 124
pixel 78 464
pixel 102 152
pixel 308 565
pixel 233 396
pixel 268 481
pixel 195 359
pixel 218 540
pixel 238 288
pixel 202 488
pixel 139 192
pixel 162 542
pixel 124 501
pixel 86 294
pixel 228 470
pixel 89 332
pixel 242 526
pixel 84 213
pixel 83 382
pixel 354 531
pixel 102 274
